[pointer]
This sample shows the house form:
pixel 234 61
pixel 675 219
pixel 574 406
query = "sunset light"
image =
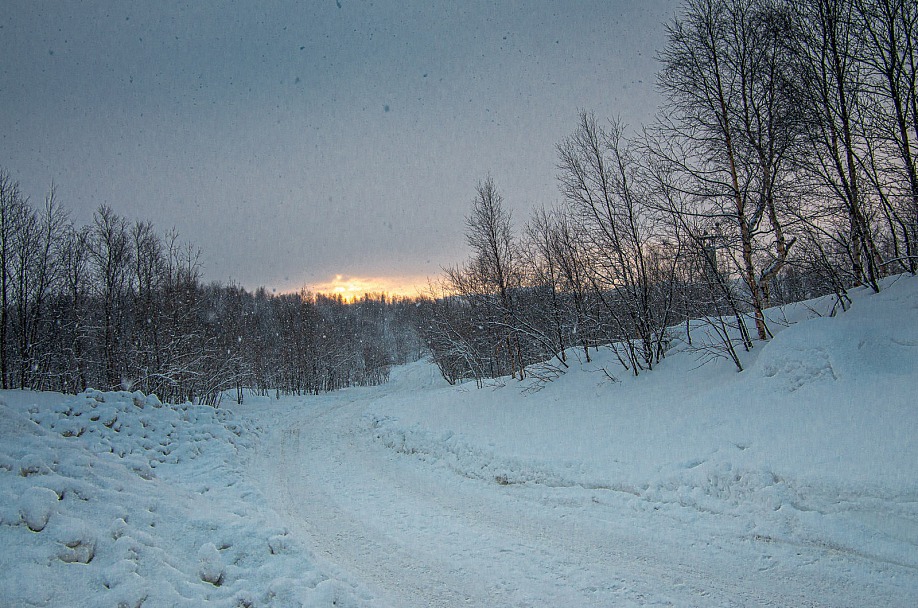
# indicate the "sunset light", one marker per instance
pixel 353 288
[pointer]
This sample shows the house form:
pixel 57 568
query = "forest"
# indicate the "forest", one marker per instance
pixel 781 166
pixel 120 306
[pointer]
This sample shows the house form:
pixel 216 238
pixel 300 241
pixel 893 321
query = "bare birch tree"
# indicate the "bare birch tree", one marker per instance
pixel 601 179
pixel 726 130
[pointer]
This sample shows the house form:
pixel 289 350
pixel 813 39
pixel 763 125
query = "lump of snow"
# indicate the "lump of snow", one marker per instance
pixel 131 592
pixel 79 545
pixel 212 569
pixel 32 464
pixel 140 466
pixel 244 599
pixel 279 543
pixel 107 416
pixel 331 593
pixel 94 394
pixel 69 428
pixel 36 507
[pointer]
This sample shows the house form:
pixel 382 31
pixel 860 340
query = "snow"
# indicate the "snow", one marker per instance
pixel 113 499
pixel 794 482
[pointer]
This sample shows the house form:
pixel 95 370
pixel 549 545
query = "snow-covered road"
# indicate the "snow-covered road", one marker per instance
pixel 790 484
pixel 414 533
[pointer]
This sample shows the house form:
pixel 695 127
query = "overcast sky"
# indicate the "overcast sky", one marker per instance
pixel 295 141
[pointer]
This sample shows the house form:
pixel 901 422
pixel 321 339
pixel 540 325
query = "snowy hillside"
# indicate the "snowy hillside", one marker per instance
pixel 814 446
pixel 792 483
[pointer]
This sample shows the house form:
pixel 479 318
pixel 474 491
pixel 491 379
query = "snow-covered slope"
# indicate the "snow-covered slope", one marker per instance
pixel 113 499
pixel 815 443
pixel 792 483
pixel 829 406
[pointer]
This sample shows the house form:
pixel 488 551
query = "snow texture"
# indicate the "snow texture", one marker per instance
pixel 792 483
pixel 114 499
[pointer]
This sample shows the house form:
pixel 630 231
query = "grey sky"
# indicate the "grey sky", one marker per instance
pixel 296 141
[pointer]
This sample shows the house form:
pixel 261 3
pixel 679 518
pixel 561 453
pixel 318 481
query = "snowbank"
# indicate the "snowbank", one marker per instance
pixel 114 499
pixel 814 443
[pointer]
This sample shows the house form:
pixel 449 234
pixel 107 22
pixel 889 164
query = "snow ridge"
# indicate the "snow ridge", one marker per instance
pixel 762 504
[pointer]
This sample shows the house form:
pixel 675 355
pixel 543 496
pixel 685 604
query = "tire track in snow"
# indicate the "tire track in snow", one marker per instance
pixel 313 508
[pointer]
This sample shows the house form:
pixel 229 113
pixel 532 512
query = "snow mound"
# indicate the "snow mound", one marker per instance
pixel 115 499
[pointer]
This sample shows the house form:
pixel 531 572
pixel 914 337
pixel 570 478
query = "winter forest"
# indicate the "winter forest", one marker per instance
pixel 665 357
pixel 118 305
pixel 781 167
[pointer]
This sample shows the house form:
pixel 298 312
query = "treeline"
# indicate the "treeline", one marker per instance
pixel 781 166
pixel 117 305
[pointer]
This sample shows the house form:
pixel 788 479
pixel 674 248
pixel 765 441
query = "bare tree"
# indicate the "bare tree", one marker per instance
pixel 73 305
pixel 889 30
pixel 147 283
pixel 492 274
pixel 725 134
pixel 544 268
pixel 828 52
pixel 601 179
pixel 36 272
pixel 12 206
pixel 110 258
pixel 570 256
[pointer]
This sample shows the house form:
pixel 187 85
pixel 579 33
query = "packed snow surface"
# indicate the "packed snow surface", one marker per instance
pixel 792 483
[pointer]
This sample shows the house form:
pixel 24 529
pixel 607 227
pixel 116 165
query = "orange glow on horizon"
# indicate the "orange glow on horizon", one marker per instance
pixel 353 288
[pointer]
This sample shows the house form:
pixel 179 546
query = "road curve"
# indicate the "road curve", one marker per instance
pixel 411 533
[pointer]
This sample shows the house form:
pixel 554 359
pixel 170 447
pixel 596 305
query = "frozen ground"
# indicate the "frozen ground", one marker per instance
pixel 794 483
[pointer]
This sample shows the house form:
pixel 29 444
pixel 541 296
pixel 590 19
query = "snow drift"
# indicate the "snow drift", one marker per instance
pixel 813 445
